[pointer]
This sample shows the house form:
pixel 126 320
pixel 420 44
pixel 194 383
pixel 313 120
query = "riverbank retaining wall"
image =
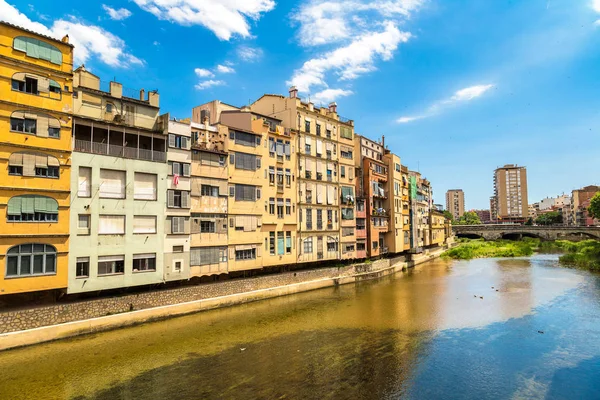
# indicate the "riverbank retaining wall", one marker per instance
pixel 36 325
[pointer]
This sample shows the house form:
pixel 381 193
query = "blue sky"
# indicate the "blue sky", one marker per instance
pixel 457 87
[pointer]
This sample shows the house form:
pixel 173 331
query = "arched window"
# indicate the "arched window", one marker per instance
pixel 33 123
pixel 308 245
pixel 35 84
pixel 31 259
pixel 33 164
pixel 38 49
pixel 32 208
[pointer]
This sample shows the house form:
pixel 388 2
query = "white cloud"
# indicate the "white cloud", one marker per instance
pixel 460 96
pixel 596 5
pixel 209 83
pixel 350 61
pixel 249 54
pixel 328 95
pixel 224 69
pixel 203 73
pixel 224 18
pixel 89 40
pixel 121 13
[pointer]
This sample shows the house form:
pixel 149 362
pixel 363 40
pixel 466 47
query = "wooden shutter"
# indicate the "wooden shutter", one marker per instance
pixel 231 191
pixel 28 164
pixel 171 140
pixel 170 198
pixel 184 141
pixel 258 163
pixel 186 169
pixel 185 199
pixel 186 225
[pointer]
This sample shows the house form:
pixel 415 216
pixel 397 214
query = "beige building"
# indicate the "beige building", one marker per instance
pixel 396 236
pixel 455 202
pixel 318 193
pixel 510 193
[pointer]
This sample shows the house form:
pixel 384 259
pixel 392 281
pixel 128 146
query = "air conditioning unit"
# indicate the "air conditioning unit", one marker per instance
pixel 118 118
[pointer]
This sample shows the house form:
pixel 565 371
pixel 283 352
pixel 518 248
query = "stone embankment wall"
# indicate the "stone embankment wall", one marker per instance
pixel 20 320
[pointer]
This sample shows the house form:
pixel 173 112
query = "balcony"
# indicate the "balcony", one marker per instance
pixel 134 153
pixel 361 213
pixel 329 227
pixel 279 188
pixel 379 212
pixel 383 250
pixel 361 233
pixel 380 194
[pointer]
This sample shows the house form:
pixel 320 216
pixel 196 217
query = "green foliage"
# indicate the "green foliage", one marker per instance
pixel 449 215
pixel 594 208
pixel 585 254
pixel 470 249
pixel 549 218
pixel 468 218
pixel 529 222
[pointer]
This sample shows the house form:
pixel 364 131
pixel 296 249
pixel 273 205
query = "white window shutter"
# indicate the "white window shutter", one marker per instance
pixel 171 140
pixel 185 199
pixel 186 169
pixel 170 198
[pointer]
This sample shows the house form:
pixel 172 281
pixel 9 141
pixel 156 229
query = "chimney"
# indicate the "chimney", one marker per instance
pixel 142 94
pixel 65 39
pixel 333 107
pixel 153 98
pixel 383 141
pixel 293 92
pixel 311 106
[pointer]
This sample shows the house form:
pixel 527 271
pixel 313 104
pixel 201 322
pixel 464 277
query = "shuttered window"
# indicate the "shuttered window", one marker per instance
pixel 246 193
pixel 144 224
pixel 111 225
pixel 32 208
pixel 112 184
pixel 179 225
pixel 38 49
pixel 144 186
pixel 247 161
pixel 247 139
pixel 208 255
pixel 178 199
pixel 85 182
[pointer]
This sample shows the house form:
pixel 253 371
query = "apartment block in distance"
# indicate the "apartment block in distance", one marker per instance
pixel 510 194
pixel 455 202
pixel 177 210
pixel 372 183
pixel 35 149
pixel 118 186
pixel 317 131
pixel 208 241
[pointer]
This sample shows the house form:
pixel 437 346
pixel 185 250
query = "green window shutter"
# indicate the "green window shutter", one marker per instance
pixel 20 44
pixel 33 48
pixel 27 205
pixel 14 206
pixel 288 242
pixel 280 246
pixel 56 57
pixel 40 204
pixel 51 206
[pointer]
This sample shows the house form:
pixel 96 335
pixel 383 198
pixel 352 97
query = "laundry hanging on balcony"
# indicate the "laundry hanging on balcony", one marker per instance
pixel 175 179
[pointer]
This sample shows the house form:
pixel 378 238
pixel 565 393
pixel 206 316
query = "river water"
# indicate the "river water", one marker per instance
pixel 445 330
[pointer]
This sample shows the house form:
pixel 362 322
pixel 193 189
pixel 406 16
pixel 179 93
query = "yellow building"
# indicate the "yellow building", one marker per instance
pixel 36 76
pixel 437 228
pixel 406 227
pixel 395 236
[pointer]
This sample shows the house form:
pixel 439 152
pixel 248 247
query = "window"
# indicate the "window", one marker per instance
pixel 83 224
pixel 144 262
pixel 85 182
pixel 15 170
pixel 318 129
pixel 144 186
pixel 112 184
pixel 208 255
pixel 30 259
pixel 246 192
pixel 48 172
pixel 308 245
pixel 272 205
pixel 347 231
pixel 178 142
pixel 307 148
pixel 345 132
pixel 272 147
pixel 309 218
pixel 109 265
pixel 207 190
pixel 287 150
pixel 177 266
pixel 144 224
pixel 288 207
pixel 178 225
pixel 109 107
pixel 249 254
pixel 319 219
pixel 279 208
pixel 111 225
pixel 288 177
pixel 272 243
pixel 288 242
pixel 248 162
pixel 23 125
pixel 82 268
pixel 332 246
pixel 245 139
pixel 342 171
pixel 177 249
pixel 207 227
pixel 330 217
pixel 347 213
pixel 54 132
pixel 280 244
pixel 346 153
pixel 31 85
pixel 178 199
pixel 39 49
pixel 32 208
pixel 280 177
pixel 271 175
pixel 307 126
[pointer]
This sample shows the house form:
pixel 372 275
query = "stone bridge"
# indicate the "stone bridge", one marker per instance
pixel 494 232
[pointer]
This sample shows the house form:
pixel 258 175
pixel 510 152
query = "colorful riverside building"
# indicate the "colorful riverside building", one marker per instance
pixel 317 132
pixel 118 187
pixel 35 156
pixel 396 237
pixel 373 192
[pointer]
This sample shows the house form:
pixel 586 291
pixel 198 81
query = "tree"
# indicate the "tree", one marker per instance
pixel 468 218
pixel 594 208
pixel 449 215
pixel 529 221
pixel 549 218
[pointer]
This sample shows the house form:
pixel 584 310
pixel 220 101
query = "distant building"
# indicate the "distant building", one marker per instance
pixel 580 201
pixel 510 192
pixel 485 216
pixel 455 202
pixel 439 207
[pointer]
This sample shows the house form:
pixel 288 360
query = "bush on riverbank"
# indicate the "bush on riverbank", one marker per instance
pixel 585 254
pixel 469 249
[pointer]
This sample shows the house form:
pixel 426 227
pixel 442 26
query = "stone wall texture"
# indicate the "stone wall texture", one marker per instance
pixel 18 320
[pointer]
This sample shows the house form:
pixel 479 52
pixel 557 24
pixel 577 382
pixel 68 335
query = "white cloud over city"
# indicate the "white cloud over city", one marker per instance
pixel 225 18
pixel 90 40
pixel 120 14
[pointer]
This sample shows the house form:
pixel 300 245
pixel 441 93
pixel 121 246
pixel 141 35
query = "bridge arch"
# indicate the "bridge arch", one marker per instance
pixel 577 235
pixel 520 235
pixel 469 235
